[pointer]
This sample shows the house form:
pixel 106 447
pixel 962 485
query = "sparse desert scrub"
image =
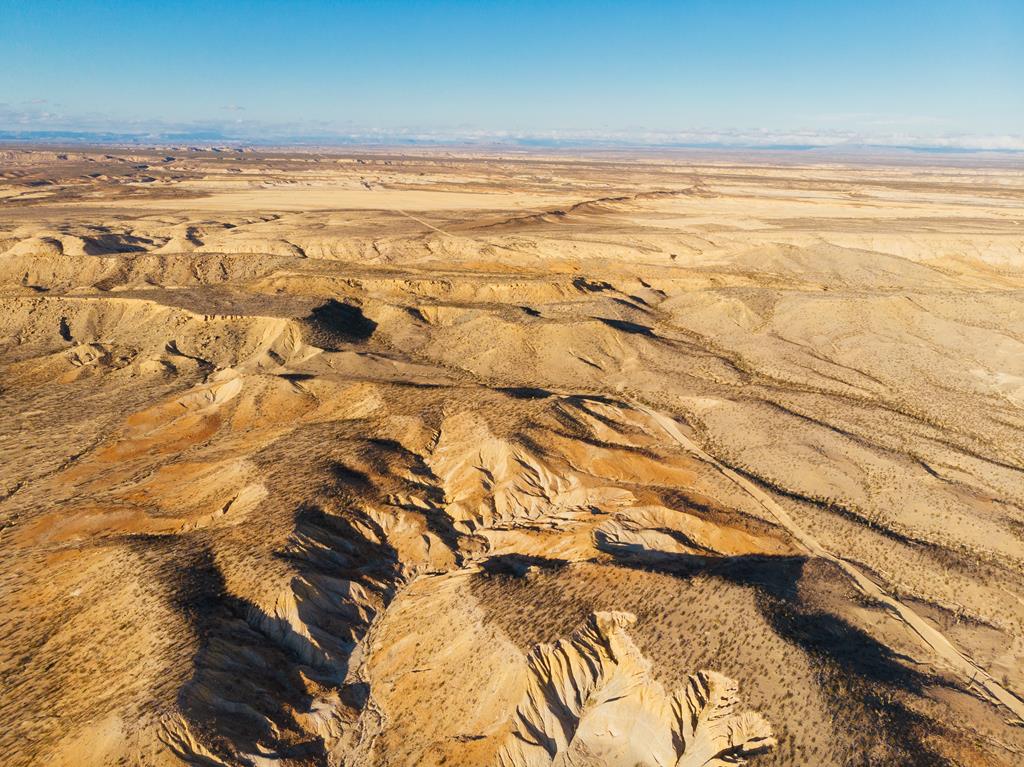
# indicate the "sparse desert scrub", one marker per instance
pixel 302 454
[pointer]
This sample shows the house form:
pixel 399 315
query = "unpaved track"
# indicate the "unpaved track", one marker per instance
pixel 924 630
pixel 928 634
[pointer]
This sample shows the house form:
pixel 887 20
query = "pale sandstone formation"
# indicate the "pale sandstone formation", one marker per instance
pixel 590 700
pixel 302 455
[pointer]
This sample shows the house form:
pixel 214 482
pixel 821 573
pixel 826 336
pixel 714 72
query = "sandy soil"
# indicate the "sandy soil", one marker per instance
pixel 447 457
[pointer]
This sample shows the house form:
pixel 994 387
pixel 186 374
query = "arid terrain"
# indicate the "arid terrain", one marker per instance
pixel 427 457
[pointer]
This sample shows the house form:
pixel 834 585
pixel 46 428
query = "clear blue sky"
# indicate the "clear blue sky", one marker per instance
pixel 867 68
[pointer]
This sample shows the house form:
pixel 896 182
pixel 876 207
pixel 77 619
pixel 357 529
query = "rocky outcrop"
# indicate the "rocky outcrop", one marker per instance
pixel 591 700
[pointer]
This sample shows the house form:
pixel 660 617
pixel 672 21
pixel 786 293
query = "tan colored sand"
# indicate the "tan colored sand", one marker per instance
pixel 315 458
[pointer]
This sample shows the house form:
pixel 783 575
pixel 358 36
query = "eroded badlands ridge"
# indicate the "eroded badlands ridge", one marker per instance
pixel 317 459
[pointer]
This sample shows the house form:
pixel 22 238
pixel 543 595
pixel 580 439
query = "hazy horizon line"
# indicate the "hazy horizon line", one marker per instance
pixel 738 140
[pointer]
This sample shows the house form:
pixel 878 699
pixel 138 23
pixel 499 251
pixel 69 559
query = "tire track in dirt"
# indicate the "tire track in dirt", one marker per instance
pixel 927 633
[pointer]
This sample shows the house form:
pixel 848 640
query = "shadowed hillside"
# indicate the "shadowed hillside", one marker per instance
pixel 444 458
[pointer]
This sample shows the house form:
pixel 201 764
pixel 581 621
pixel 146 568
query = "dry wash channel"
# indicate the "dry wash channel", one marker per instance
pixel 435 459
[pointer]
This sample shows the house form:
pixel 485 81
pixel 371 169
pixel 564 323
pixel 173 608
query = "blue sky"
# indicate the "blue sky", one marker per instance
pixel 746 72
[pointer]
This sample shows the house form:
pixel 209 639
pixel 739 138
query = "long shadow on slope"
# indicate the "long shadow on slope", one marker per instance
pixel 634 328
pixel 859 675
pixel 518 565
pixel 246 686
pixel 255 673
pixel 526 392
pixel 591 286
pixel 346 578
pixel 334 324
pixel 391 454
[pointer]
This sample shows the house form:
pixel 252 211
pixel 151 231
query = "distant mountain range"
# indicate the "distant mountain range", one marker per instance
pixel 207 137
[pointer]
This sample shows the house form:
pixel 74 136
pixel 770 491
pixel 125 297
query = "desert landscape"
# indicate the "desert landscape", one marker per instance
pixel 510 457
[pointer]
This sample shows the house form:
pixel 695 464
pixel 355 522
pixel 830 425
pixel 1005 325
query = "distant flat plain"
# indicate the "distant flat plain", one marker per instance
pixel 478 456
